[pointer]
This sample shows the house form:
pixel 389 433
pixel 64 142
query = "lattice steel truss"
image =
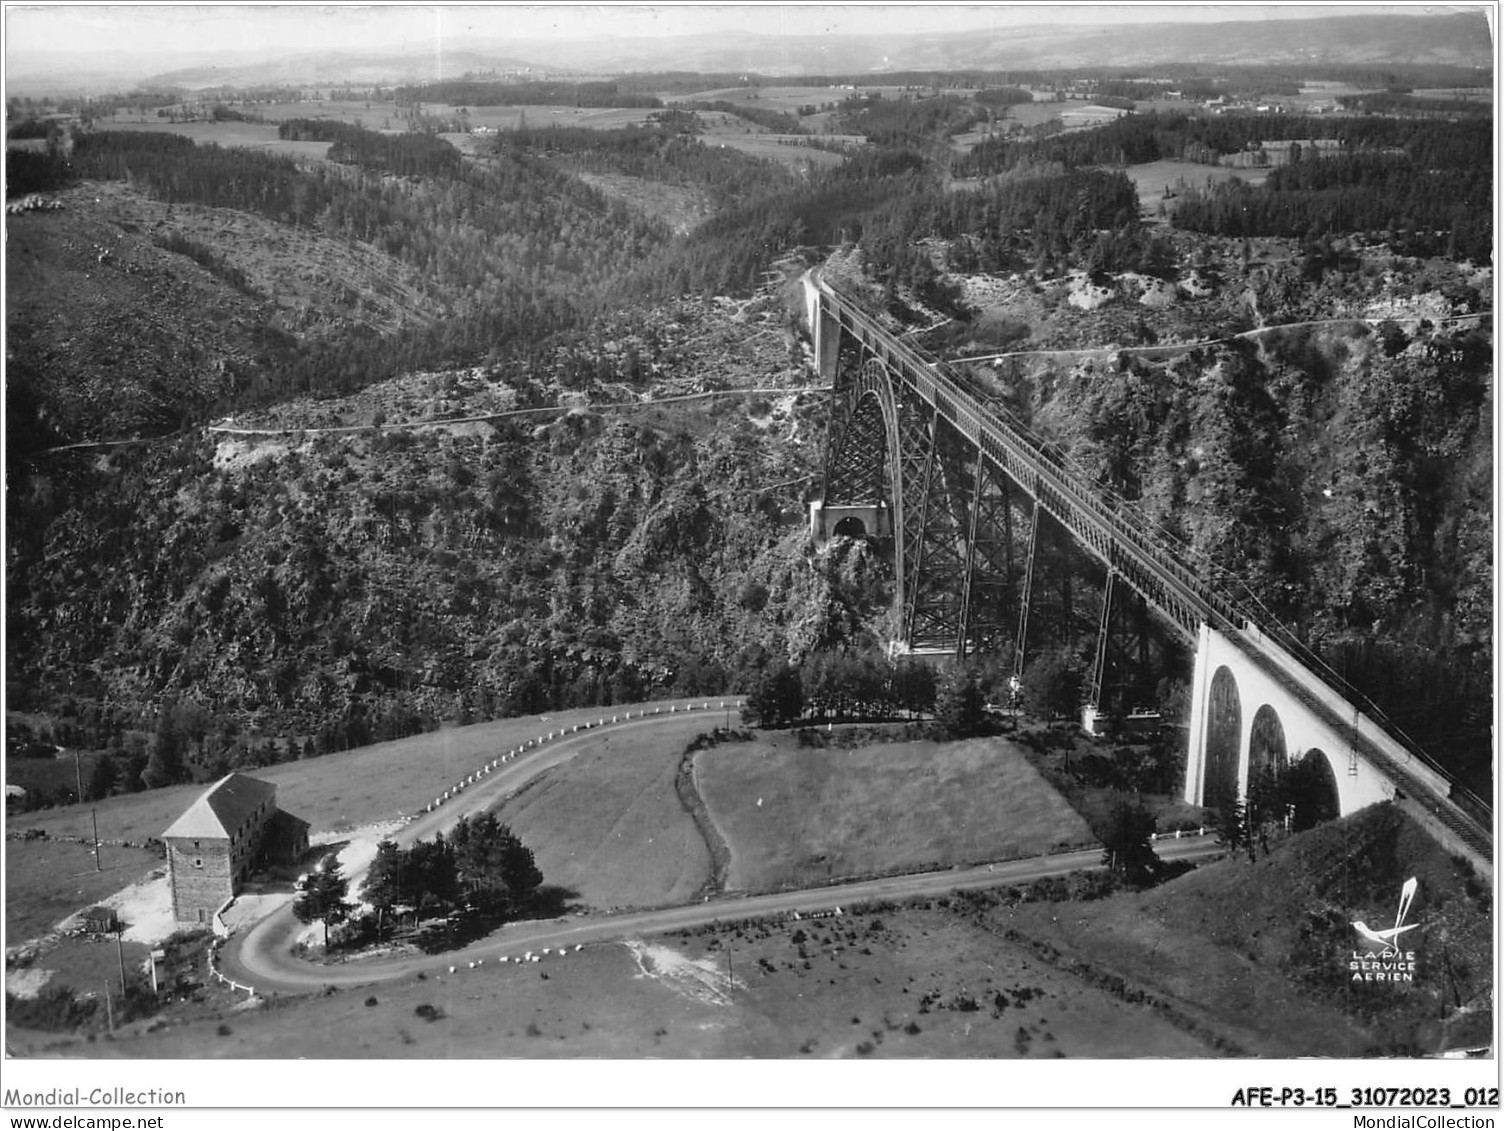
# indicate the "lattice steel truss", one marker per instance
pixel 1122 676
pixel 987 539
pixel 954 553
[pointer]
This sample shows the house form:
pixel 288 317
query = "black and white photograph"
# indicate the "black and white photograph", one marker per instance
pixel 894 536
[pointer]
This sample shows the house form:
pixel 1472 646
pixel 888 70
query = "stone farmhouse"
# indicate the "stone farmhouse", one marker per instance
pixel 231 831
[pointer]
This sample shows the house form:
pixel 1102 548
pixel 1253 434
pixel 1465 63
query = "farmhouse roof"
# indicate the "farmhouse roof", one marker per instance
pixel 286 835
pixel 223 807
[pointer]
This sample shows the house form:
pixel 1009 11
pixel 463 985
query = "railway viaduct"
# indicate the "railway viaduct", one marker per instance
pixel 979 512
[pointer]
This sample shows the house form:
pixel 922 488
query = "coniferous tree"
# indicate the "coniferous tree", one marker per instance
pixel 519 871
pixel 1127 848
pixel 960 705
pixel 1231 821
pixel 777 697
pixel 383 885
pixel 101 779
pixel 166 765
pixel 324 896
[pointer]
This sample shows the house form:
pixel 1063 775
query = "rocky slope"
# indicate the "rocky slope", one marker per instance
pixel 126 315
pixel 359 584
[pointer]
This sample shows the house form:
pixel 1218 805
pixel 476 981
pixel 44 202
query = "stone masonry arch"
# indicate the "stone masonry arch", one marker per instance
pixel 1266 743
pixel 1222 661
pixel 1224 731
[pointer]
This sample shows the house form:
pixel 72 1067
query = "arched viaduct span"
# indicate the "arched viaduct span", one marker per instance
pixel 915 455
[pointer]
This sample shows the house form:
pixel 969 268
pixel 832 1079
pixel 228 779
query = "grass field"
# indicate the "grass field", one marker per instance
pixel 510 117
pixel 1151 180
pixel 382 116
pixel 769 146
pixel 784 99
pixel 336 792
pixel 1270 941
pixel 48 880
pixel 797 816
pixel 609 825
pixel 1460 93
pixel 231 135
pixel 917 983
pixel 50 775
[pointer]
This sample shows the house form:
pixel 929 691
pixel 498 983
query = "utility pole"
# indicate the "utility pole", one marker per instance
pixel 120 957
pixel 109 1009
pixel 78 774
pixel 94 816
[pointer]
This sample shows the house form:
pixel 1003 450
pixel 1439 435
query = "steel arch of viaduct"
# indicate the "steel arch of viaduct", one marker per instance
pixel 865 468
pixel 1152 568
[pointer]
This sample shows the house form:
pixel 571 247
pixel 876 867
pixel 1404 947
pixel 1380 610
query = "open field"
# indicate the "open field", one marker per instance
pixel 51 775
pixel 722 129
pixel 1153 179
pixel 920 982
pixel 794 816
pixel 1460 93
pixel 52 877
pixel 770 146
pixel 965 143
pixel 585 117
pixel 48 880
pixel 339 791
pixel 1329 88
pixel 376 115
pixel 1025 114
pixel 609 825
pixel 784 99
pixel 231 135
pixel 1029 114
pixel 1192 968
pixel 1270 941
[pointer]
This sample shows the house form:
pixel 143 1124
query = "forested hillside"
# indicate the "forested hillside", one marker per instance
pixel 338 588
pixel 325 588
pixel 1422 181
pixel 1341 478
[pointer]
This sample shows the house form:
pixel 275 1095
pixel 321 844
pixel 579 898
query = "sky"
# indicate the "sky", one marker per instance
pixel 234 30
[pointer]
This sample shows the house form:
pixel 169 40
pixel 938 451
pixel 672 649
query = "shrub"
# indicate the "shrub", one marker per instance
pixel 55 1008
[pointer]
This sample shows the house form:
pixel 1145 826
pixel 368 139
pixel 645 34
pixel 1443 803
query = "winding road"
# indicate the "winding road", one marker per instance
pixel 262 957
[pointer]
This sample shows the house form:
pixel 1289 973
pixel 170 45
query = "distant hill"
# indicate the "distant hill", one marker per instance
pixel 1456 39
pixel 324 68
pixel 1461 40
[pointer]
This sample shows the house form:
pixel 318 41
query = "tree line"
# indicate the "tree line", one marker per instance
pixel 530 92
pixel 1136 139
pixel 411 154
pixel 517 249
pixel 1420 211
pixel 1428 182
pixel 481 864
pixel 482 868
pixel 663 153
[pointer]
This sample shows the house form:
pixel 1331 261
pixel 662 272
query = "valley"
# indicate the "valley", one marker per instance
pixel 361 434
